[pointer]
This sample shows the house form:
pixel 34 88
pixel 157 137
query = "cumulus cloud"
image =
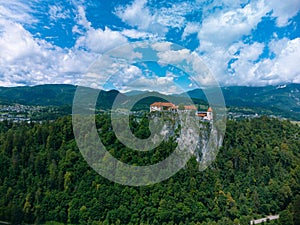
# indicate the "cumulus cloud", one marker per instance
pixel 100 41
pixel 221 45
pixel 173 57
pixel 250 52
pixel 161 46
pixel 285 65
pixel 21 55
pixel 126 75
pixel 96 40
pixel 25 60
pixel 165 85
pixel 220 39
pixel 136 14
pixel 281 10
pixel 190 28
pixel 247 69
pixel 146 16
pixel 220 25
pixel 227 27
pixel 82 20
pixel 139 16
pixel 284 10
pixel 245 66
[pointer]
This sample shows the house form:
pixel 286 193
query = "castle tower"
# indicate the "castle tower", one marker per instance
pixel 209 115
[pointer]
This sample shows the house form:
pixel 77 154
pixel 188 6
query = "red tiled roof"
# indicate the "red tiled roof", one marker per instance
pixel 163 104
pixel 209 109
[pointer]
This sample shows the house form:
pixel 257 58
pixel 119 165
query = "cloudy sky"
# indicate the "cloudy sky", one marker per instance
pixel 243 42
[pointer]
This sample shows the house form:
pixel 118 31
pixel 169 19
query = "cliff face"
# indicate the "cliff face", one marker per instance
pixel 192 136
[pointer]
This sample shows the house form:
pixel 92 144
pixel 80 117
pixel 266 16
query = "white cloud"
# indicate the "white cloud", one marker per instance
pixel 17 11
pixel 126 75
pixel 75 62
pixel 146 16
pixel 241 71
pixel 277 45
pixel 218 5
pixel 245 67
pixel 96 40
pixel 190 63
pixel 285 65
pixel 220 38
pixel 15 42
pixel 248 70
pixel 136 14
pixel 229 24
pixel 127 53
pixel 28 60
pixel 190 28
pixel 135 34
pixel 100 41
pixel 227 27
pixel 82 20
pixel 130 77
pixel 161 46
pixel 58 12
pixel 165 85
pixel 284 10
pixel 283 68
pixel 173 57
pixel 175 16
pixel 224 25
pixel 251 52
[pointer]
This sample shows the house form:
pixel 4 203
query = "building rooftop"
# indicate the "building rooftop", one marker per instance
pixel 163 104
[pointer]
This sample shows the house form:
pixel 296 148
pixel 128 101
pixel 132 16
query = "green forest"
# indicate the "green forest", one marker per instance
pixel 45 180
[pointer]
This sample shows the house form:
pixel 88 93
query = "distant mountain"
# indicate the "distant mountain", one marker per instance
pixel 134 93
pixel 52 95
pixel 61 95
pixel 282 99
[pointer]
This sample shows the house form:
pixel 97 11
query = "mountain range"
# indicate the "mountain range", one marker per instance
pixel 281 100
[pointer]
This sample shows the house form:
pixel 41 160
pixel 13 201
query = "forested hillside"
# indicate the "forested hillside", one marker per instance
pixel 44 178
pixel 282 101
pixel 267 100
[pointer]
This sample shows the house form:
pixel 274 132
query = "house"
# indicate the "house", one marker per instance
pixel 208 115
pixel 162 106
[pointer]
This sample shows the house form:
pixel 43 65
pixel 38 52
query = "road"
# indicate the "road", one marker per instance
pixel 2 222
pixel 275 217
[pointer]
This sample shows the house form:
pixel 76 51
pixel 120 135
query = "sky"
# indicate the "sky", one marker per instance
pixel 242 42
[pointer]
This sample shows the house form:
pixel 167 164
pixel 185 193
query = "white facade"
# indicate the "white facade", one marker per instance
pixel 155 108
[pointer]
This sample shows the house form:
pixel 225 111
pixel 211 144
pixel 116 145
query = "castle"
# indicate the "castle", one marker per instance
pixel 168 106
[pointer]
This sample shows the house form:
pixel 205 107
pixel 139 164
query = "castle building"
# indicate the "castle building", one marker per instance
pixel 162 106
pixel 168 106
pixel 208 115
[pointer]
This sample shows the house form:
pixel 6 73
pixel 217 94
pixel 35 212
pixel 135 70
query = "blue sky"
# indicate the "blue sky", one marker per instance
pixel 243 42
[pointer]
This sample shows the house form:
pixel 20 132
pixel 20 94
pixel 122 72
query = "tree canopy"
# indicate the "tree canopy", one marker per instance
pixel 44 177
